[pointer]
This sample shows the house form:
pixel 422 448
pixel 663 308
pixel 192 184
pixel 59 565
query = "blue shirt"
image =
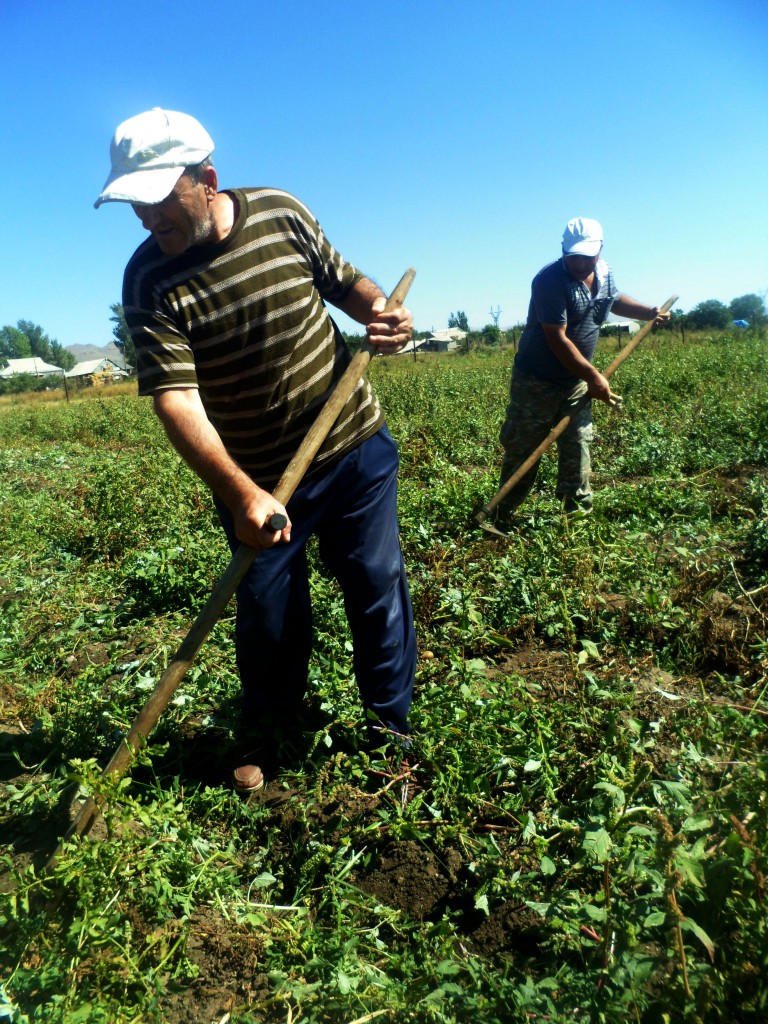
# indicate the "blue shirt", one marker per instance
pixel 556 298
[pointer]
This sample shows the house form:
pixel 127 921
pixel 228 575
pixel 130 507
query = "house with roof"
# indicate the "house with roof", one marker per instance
pixel 620 325
pixel 94 371
pixel 446 341
pixel 449 340
pixel 37 367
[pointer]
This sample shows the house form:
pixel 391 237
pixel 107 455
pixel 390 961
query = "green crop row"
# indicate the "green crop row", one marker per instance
pixel 580 834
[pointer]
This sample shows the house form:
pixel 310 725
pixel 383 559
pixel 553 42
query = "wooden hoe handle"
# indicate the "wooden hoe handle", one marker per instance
pixel 222 593
pixel 557 430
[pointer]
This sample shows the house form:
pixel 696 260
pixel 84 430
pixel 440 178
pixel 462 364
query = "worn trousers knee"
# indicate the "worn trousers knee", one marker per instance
pixel 535 407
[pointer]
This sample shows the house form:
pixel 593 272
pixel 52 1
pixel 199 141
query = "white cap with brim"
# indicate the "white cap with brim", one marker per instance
pixel 582 237
pixel 149 153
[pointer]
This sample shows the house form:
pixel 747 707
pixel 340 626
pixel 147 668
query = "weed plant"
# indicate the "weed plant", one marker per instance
pixel 584 838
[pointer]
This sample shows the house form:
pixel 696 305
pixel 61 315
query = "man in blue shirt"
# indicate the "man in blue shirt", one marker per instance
pixel 553 369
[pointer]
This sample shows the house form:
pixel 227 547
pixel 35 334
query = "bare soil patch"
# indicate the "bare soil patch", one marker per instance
pixel 227 960
pixel 410 878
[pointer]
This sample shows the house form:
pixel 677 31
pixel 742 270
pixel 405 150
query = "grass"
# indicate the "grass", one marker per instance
pixel 586 837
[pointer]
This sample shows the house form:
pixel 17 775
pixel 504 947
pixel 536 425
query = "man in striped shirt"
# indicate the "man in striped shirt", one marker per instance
pixel 553 369
pixel 226 303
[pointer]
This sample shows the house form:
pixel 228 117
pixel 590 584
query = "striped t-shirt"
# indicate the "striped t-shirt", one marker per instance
pixel 245 321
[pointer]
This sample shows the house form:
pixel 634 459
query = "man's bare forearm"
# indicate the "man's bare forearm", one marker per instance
pixel 634 310
pixel 574 362
pixel 195 439
pixel 193 436
pixel 388 332
pixel 360 301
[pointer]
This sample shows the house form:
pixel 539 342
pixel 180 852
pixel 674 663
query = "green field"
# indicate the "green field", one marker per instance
pixel 583 837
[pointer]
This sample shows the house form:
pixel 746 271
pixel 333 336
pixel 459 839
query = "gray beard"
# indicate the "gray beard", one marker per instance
pixel 203 230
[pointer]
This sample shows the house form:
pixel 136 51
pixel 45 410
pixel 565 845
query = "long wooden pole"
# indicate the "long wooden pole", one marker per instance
pixel 221 595
pixel 557 430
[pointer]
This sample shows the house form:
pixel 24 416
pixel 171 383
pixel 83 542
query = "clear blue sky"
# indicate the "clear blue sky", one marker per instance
pixel 458 138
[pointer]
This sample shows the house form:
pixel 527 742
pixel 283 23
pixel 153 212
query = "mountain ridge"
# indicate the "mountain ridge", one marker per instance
pixel 83 353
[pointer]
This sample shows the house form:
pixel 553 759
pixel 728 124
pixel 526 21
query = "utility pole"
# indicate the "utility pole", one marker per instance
pixel 495 314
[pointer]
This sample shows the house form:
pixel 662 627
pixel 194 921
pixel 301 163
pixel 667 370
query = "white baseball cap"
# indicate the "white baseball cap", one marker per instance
pixel 149 153
pixel 582 237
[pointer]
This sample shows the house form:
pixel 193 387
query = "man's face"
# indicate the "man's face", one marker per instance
pixel 181 220
pixel 581 267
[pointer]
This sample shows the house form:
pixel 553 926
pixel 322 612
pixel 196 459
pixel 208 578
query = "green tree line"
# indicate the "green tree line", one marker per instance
pixel 711 314
pixel 29 339
pixel 26 340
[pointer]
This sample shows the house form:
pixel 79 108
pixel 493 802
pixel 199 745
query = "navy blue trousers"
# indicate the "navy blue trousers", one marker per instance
pixel 352 509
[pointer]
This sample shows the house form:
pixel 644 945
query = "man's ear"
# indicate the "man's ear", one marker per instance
pixel 210 182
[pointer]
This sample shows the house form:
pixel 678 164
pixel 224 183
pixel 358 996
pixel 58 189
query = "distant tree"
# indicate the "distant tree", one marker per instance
pixel 14 344
pixel 710 313
pixel 122 334
pixel 459 319
pixel 354 341
pixel 750 308
pixel 61 356
pixel 20 383
pixel 677 320
pixel 491 334
pixel 38 339
pixel 28 339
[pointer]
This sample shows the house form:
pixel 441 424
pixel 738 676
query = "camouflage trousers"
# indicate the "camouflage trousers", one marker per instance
pixel 535 407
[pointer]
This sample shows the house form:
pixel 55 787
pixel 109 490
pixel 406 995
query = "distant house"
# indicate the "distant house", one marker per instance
pixel 448 340
pixel 37 367
pixel 411 347
pixel 618 325
pixel 96 369
pixel 445 341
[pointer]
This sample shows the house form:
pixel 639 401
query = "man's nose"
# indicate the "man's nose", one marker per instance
pixel 148 215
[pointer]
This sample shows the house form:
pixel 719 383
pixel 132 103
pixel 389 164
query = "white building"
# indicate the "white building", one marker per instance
pixel 446 341
pixel 623 325
pixel 91 367
pixel 33 365
pixel 449 340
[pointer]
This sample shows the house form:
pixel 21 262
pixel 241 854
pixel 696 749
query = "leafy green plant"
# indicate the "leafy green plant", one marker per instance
pixel 578 830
